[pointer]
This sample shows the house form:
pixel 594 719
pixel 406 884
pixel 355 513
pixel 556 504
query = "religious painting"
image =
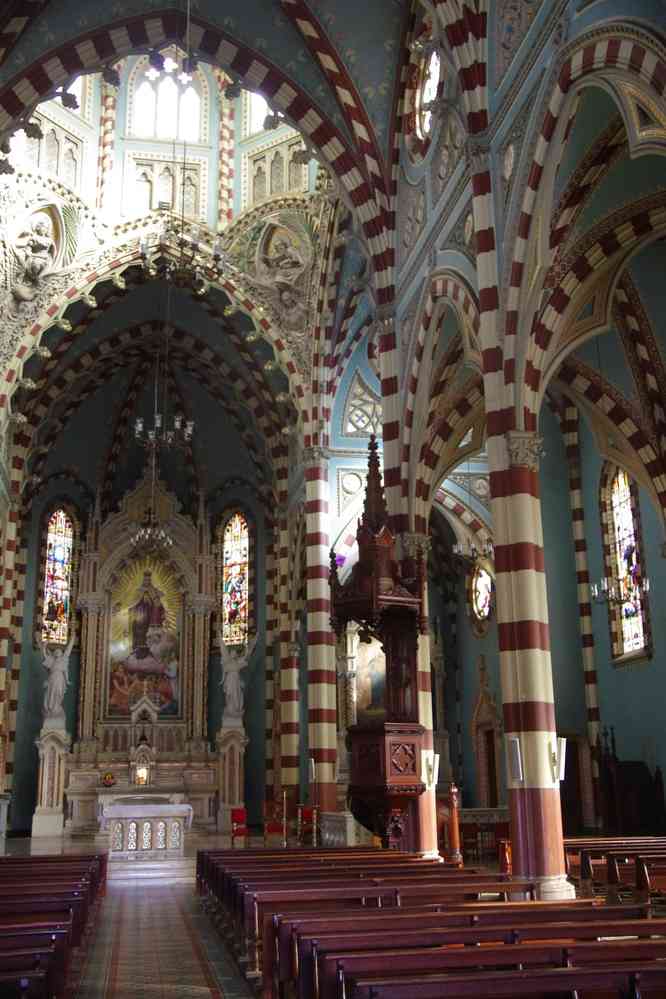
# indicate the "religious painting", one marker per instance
pixel 144 651
pixel 57 578
pixel 370 682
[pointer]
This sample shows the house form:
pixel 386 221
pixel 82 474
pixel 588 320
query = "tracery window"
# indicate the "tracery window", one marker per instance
pixel 235 580
pixel 363 411
pixel 628 610
pixel 57 578
pixel 167 104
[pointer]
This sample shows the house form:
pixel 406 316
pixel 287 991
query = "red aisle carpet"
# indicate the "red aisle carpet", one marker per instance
pixel 155 943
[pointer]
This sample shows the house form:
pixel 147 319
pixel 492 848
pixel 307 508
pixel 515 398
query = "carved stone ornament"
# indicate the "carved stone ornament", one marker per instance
pixel 525 448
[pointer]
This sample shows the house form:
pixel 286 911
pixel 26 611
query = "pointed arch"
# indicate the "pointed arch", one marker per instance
pixel 624 564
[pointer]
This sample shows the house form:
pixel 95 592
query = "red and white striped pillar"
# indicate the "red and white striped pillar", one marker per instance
pixel 288 680
pixel 107 132
pixel 270 665
pixel 321 640
pixel 413 546
pixel 525 664
pixel 570 428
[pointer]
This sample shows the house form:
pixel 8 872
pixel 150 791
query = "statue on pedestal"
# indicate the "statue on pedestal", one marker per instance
pixel 55 661
pixel 233 662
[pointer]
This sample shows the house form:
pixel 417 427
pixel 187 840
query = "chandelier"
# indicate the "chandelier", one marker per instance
pixel 468 552
pixel 619 591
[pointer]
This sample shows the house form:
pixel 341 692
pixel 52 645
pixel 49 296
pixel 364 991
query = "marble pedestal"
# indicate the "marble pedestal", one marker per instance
pixel 53 745
pixel 148 828
pixel 231 742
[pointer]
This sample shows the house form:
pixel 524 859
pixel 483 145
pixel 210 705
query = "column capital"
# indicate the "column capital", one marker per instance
pixel 316 455
pixel 93 603
pixel 525 448
pixel 201 604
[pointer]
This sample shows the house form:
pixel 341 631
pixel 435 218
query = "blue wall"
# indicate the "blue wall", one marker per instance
pixel 631 695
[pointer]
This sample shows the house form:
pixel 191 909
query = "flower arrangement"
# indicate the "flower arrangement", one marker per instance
pixel 108 780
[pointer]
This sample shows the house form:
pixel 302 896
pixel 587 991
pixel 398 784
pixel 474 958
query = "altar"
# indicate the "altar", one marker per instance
pixel 142 740
pixel 144 826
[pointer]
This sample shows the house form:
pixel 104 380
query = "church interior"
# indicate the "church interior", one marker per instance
pixel 332 498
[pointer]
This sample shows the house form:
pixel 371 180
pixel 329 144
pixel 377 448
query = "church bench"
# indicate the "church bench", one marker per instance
pixel 36 907
pixel 219 870
pixel 333 970
pixel 30 983
pixel 596 847
pixel 643 980
pixel 58 938
pixel 521 926
pixel 95 864
pixel 254 934
pixel 20 961
pixel 207 860
pixel 552 944
pixel 292 935
pixel 237 886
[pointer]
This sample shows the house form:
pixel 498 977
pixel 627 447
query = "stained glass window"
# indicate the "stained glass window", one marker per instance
pixel 58 578
pixel 235 581
pixel 482 593
pixel 626 564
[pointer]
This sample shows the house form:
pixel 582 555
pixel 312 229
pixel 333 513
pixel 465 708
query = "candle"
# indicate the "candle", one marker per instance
pixel 312 770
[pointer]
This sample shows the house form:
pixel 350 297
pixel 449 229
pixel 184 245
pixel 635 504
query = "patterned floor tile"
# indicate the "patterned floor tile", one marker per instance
pixel 155 943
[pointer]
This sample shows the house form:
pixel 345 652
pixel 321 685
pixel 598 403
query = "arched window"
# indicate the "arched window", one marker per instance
pixel 57 578
pixel 428 87
pixel 257 110
pixel 628 606
pixel 166 104
pixel 235 580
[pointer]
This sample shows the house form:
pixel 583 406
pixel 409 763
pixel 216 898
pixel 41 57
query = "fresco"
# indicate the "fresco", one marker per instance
pixel 144 650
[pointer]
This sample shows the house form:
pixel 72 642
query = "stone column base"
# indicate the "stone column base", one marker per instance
pixel 554 889
pixel 48 822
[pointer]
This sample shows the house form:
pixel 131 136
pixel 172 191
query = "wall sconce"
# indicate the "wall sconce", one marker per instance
pixel 515 758
pixel 558 758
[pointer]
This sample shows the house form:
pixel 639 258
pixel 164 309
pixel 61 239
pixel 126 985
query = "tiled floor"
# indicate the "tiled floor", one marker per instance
pixel 155 943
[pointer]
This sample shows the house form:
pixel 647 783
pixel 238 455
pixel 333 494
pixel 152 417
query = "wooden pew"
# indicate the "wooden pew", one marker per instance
pixel 290 952
pixel 259 907
pixel 27 984
pixel 333 969
pixel 621 981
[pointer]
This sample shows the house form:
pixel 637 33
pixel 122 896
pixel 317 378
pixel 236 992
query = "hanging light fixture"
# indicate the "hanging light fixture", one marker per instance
pixel 468 552
pixel 166 432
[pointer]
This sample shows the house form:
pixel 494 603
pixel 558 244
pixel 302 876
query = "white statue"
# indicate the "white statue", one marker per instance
pixel 56 662
pixel 35 250
pixel 234 661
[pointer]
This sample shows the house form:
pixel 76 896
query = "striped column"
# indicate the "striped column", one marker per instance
pixel 570 424
pixel 107 131
pixel 415 545
pixel 289 728
pixel 525 666
pixel 321 640
pixel 271 624
pixel 225 187
pixel 452 617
